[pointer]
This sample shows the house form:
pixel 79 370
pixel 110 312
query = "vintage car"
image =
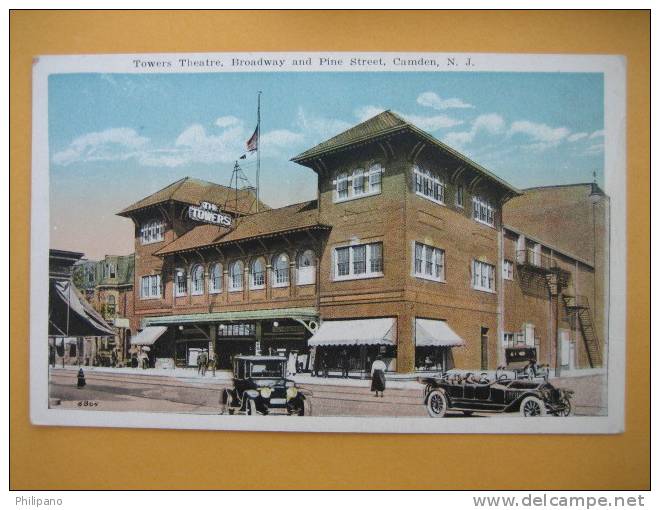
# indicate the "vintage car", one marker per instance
pixel 261 387
pixel 504 393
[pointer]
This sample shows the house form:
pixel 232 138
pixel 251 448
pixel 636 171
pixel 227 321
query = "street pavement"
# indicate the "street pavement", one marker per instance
pixel 160 391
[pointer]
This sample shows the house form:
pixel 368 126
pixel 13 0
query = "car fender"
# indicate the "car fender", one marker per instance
pixel 437 388
pixel 515 404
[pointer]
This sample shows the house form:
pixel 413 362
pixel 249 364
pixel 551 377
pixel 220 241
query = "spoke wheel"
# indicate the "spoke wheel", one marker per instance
pixel 532 407
pixel 567 409
pixel 436 404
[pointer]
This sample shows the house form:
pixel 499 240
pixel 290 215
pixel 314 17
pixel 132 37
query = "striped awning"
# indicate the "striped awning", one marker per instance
pixel 435 333
pixel 148 335
pixel 356 332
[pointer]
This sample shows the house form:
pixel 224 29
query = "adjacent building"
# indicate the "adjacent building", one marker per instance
pixel 411 252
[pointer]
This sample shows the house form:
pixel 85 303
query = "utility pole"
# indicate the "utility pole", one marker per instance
pixel 258 146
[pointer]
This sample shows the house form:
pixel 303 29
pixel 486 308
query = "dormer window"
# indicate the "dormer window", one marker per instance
pixel 357 183
pixel 152 232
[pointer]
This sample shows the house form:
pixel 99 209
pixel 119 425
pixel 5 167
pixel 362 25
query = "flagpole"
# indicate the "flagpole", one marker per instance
pixel 258 144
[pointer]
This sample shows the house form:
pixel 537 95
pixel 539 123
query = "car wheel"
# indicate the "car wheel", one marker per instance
pixel 251 407
pixel 468 413
pixel 532 407
pixel 436 404
pixel 567 409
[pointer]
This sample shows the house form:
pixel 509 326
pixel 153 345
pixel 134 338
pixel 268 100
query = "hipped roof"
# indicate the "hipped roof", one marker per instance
pixel 270 223
pixel 193 191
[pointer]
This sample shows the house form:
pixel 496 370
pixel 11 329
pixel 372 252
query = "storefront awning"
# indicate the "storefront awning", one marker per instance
pixel 356 332
pixel 241 315
pixel 149 335
pixel 70 315
pixel 435 333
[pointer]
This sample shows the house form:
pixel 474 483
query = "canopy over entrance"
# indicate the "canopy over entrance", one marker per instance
pixel 148 335
pixel 356 332
pixel 70 315
pixel 435 333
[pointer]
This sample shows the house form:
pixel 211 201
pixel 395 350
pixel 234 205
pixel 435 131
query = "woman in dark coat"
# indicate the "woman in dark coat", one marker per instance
pixel 378 376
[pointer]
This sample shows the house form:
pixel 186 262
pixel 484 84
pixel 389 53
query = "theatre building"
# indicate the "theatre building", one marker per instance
pixel 401 256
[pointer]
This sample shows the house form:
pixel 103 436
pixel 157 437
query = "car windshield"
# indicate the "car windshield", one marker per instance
pixel 267 368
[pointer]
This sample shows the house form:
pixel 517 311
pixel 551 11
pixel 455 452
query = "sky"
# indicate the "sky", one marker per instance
pixel 116 138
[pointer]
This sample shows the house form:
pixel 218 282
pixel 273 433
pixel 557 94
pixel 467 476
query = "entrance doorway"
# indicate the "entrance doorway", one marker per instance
pixel 484 348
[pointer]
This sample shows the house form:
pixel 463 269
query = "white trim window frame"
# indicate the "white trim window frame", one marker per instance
pixel 180 283
pixel 359 183
pixel 151 232
pixel 306 268
pixel 483 276
pixel 281 270
pixel 483 210
pixel 358 261
pixel 428 262
pixel 429 185
pixel 215 278
pixel 258 274
pixel 236 269
pixel 150 287
pixel 197 280
pixel 507 269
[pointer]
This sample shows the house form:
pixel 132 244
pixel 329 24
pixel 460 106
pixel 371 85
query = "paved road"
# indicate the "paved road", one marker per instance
pixel 156 393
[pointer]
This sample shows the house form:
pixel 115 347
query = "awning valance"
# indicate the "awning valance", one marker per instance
pixel 356 332
pixel 70 315
pixel 148 335
pixel 435 333
pixel 241 315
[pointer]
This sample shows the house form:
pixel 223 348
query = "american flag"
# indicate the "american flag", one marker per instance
pixel 253 142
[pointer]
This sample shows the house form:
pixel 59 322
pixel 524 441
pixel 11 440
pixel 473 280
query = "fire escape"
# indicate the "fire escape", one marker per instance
pixel 535 265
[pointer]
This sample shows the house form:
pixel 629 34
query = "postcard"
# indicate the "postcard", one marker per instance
pixel 329 242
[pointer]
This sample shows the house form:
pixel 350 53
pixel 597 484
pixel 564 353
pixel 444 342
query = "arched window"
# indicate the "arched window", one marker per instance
pixel 236 275
pixel 306 268
pixel 281 270
pixel 197 279
pixel 258 274
pixel 180 282
pixel 215 278
pixel 112 304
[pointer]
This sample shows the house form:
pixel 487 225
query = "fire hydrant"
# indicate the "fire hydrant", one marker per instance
pixel 81 378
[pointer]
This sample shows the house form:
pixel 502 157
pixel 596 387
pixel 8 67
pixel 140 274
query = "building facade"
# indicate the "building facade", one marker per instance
pixel 404 255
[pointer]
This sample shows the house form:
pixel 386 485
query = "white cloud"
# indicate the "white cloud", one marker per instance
pixel 432 100
pixel 110 144
pixel 226 121
pixel 596 148
pixel 200 147
pixel 577 136
pixel 432 123
pixel 366 112
pixel 490 123
pixel 597 134
pixel 319 128
pixel 281 138
pixel 541 135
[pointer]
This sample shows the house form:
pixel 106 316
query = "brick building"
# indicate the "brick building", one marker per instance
pixel 404 255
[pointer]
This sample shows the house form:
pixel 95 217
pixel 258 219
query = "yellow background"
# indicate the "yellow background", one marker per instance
pixel 67 458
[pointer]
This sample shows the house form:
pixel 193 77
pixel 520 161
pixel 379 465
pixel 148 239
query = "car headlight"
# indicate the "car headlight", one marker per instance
pixel 291 392
pixel 265 392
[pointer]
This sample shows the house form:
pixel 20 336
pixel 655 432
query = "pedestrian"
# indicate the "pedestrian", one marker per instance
pixel 202 361
pixel 81 379
pixel 324 364
pixel 114 357
pixel 214 362
pixel 344 363
pixel 378 376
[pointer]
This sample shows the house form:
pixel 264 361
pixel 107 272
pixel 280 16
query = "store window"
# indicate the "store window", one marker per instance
pixel 507 270
pixel 358 183
pixel 483 276
pixel 359 261
pixel 215 278
pixel 258 274
pixel 429 185
pixel 151 232
pixel 483 210
pixel 180 282
pixel 236 276
pixel 429 262
pixel 197 280
pixel 306 268
pixel 111 305
pixel 150 287
pixel 281 270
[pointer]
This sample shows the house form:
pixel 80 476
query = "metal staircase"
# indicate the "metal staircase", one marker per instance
pixel 579 306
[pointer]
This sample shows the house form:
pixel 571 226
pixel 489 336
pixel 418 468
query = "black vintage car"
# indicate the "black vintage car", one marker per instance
pixel 261 387
pixel 469 393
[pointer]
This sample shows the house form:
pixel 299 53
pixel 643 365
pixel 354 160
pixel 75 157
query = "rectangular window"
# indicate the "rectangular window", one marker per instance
pixel 459 196
pixel 483 210
pixel 483 276
pixel 429 185
pixel 509 339
pixel 359 261
pixel 151 232
pixel 429 262
pixel 150 287
pixel 358 182
pixel 180 283
pixel 507 270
